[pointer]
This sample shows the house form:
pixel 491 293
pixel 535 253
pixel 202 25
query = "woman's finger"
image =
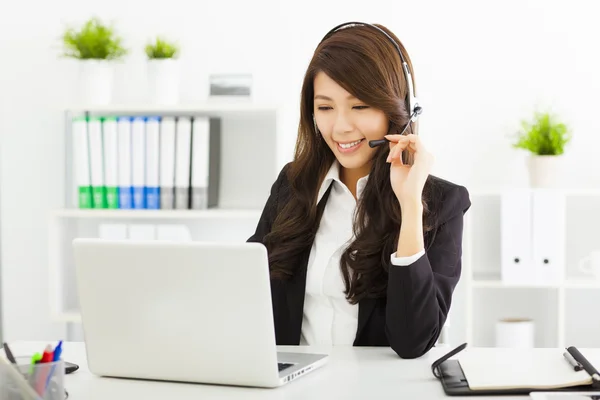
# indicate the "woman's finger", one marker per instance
pixel 398 139
pixel 395 138
pixel 400 151
pixel 395 149
pixel 414 141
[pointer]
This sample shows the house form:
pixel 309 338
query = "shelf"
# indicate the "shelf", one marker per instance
pixel 499 284
pixel 482 191
pixel 582 284
pixel 208 107
pixel 156 214
pixel 569 284
pixel 67 316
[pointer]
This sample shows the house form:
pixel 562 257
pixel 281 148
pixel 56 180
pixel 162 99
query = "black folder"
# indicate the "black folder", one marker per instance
pixel 455 383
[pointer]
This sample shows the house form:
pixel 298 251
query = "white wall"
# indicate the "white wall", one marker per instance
pixel 480 66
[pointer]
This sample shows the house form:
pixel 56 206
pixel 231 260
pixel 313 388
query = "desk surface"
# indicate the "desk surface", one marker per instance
pixel 351 373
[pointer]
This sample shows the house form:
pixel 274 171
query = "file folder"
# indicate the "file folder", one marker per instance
pixel 167 163
pixel 109 134
pixel 206 156
pixel 151 188
pixel 182 164
pixel 200 162
pixel 81 162
pixel 549 226
pixel 492 371
pixel 97 162
pixel 138 161
pixel 124 163
pixel 516 237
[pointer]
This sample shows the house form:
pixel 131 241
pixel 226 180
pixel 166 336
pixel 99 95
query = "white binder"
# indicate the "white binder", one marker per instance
pixel 548 225
pixel 516 237
pixel 152 190
pixel 138 161
pixel 109 133
pixel 182 163
pixel 125 183
pixel 200 162
pixel 81 163
pixel 167 163
pixel 97 162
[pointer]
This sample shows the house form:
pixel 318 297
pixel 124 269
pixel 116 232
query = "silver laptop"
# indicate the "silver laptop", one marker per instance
pixel 182 311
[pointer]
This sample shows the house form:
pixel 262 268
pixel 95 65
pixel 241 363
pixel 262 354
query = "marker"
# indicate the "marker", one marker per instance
pixel 57 351
pixel 48 355
pixel 36 358
pixel 9 354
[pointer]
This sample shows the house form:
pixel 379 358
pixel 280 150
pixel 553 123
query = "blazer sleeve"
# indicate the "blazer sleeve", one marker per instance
pixel 269 212
pixel 419 294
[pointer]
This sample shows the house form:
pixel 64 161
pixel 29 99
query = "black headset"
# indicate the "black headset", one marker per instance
pixel 411 100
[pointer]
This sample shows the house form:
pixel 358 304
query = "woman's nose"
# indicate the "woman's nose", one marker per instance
pixel 343 123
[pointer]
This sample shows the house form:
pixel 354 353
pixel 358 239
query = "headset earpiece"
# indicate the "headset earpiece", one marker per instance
pixel 416 112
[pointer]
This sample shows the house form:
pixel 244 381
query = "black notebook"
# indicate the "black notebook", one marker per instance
pixel 488 371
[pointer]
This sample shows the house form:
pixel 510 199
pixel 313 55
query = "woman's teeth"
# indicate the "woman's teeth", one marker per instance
pixel 349 145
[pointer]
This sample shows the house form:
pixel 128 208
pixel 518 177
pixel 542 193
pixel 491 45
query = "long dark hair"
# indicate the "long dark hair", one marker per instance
pixel 366 64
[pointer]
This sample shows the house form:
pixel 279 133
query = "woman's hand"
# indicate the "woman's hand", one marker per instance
pixel 408 180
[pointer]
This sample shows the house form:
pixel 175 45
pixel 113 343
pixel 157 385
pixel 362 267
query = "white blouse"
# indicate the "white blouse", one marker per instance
pixel 328 317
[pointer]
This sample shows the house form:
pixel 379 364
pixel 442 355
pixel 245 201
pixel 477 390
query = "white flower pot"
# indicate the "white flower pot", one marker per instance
pixel 545 171
pixel 95 82
pixel 163 81
pixel 516 333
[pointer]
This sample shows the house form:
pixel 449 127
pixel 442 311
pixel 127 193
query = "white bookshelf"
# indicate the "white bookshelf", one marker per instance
pixel 251 155
pixel 157 215
pixel 563 312
pixel 251 140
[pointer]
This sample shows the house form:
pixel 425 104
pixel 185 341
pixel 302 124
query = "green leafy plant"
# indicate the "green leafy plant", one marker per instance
pixel 94 40
pixel 161 49
pixel 544 135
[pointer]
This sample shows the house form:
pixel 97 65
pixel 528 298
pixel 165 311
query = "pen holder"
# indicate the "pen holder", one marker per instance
pixel 24 381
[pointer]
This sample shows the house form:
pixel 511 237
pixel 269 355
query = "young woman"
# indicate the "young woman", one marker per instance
pixel 364 244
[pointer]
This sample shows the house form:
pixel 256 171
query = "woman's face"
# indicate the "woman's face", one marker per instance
pixel 346 123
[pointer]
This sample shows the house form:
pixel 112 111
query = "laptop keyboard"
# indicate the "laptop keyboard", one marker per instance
pixel 283 366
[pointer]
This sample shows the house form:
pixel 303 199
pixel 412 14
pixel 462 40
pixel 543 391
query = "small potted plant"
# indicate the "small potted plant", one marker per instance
pixel 545 137
pixel 95 45
pixel 163 71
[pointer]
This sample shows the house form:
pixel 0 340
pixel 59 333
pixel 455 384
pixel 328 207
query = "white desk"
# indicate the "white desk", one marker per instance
pixel 351 373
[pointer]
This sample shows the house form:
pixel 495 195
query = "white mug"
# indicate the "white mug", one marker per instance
pixel 591 264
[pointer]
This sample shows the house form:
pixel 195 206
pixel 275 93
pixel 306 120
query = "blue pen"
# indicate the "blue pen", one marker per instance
pixel 57 351
pixel 55 357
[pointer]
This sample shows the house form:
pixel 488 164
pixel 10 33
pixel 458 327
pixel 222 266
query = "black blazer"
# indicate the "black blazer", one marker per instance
pixel 410 318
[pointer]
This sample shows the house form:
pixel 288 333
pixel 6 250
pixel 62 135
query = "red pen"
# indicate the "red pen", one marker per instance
pixel 42 373
pixel 48 354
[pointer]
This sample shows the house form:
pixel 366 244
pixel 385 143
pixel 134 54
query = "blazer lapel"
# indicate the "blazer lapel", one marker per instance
pixel 296 288
pixel 365 309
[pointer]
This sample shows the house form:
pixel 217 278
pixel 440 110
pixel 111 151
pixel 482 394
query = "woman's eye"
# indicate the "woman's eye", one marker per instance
pixel 324 108
pixel 361 107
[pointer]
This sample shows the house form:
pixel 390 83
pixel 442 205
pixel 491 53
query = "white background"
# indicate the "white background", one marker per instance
pixel 480 67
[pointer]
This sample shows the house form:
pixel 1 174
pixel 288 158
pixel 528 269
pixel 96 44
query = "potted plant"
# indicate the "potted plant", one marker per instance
pixel 163 71
pixel 95 45
pixel 545 137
